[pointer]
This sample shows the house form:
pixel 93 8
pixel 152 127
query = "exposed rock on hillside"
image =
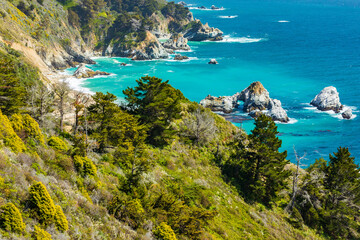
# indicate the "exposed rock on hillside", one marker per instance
pixel 200 32
pixel 256 101
pixel 328 99
pixel 84 72
pixel 149 49
pixel 177 42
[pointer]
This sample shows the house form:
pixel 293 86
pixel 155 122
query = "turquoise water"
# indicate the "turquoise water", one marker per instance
pixel 295 48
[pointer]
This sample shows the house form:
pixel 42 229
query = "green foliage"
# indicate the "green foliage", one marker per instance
pixel 258 168
pixel 176 11
pixel 84 166
pixel 60 220
pixel 11 219
pixel 328 200
pixel 27 128
pixel 57 143
pixel 8 135
pixel 157 103
pixel 41 203
pixel 128 210
pixel 40 234
pixel 15 76
pixel 164 232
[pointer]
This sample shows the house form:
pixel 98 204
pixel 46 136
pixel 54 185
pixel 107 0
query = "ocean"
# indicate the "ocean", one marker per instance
pixel 295 48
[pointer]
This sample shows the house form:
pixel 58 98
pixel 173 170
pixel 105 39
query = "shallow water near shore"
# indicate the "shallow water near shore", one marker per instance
pixel 294 48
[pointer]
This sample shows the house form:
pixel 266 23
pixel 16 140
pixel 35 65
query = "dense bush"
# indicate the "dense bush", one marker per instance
pixel 40 234
pixel 60 220
pixel 8 135
pixel 27 128
pixel 57 143
pixel 41 203
pixel 84 166
pixel 11 219
pixel 164 232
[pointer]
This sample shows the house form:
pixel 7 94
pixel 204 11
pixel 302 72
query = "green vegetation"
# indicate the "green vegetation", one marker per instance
pixel 57 143
pixel 164 232
pixel 161 166
pixel 11 219
pixel 40 234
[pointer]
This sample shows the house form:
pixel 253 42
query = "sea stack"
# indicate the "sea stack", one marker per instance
pixel 84 72
pixel 256 101
pixel 327 99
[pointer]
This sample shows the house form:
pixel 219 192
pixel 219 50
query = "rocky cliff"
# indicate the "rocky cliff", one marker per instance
pixel 61 33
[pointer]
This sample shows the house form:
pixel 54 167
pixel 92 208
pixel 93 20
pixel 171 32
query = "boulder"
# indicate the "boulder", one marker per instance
pixel 276 112
pixel 213 61
pixel 84 72
pixel 202 7
pixel 200 32
pixel 347 114
pixel 182 3
pixel 177 42
pixel 327 99
pixel 123 64
pixel 179 57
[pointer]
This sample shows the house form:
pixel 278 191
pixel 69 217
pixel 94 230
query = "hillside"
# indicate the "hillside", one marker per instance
pixel 75 166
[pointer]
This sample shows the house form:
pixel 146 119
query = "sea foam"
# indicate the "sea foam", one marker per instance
pixel 235 16
pixel 283 21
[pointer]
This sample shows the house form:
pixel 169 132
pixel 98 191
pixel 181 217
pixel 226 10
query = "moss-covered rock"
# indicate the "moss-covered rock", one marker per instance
pixel 11 219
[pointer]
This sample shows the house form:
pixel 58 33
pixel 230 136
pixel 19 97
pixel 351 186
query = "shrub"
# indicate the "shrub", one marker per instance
pixel 164 232
pixel 27 128
pixel 40 234
pixel 57 143
pixel 61 222
pixel 78 163
pixel 41 203
pixel 84 166
pixel 11 219
pixel 89 167
pixel 8 135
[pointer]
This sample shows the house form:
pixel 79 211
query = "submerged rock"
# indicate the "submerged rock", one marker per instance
pixel 84 72
pixel 200 32
pixel 256 101
pixel 177 42
pixel 327 99
pixel 347 114
pixel 179 57
pixel 215 8
pixel 213 61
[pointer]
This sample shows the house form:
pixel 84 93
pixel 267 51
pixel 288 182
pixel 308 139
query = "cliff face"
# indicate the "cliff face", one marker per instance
pixel 61 33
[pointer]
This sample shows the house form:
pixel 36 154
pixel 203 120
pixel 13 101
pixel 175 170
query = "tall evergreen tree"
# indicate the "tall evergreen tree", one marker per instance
pixel 157 103
pixel 258 167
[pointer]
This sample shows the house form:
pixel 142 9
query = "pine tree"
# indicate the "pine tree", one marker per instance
pixel 258 168
pixel 157 103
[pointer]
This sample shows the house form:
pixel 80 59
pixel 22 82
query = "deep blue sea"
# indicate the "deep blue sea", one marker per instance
pixel 294 48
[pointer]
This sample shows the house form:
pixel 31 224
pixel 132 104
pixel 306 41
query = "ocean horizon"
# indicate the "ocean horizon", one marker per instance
pixel 294 48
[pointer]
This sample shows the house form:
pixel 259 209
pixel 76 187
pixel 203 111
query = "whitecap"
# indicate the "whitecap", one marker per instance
pixel 170 71
pixel 291 121
pixel 207 9
pixel 283 21
pixel 77 84
pixel 248 39
pixel 116 61
pixel 234 16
